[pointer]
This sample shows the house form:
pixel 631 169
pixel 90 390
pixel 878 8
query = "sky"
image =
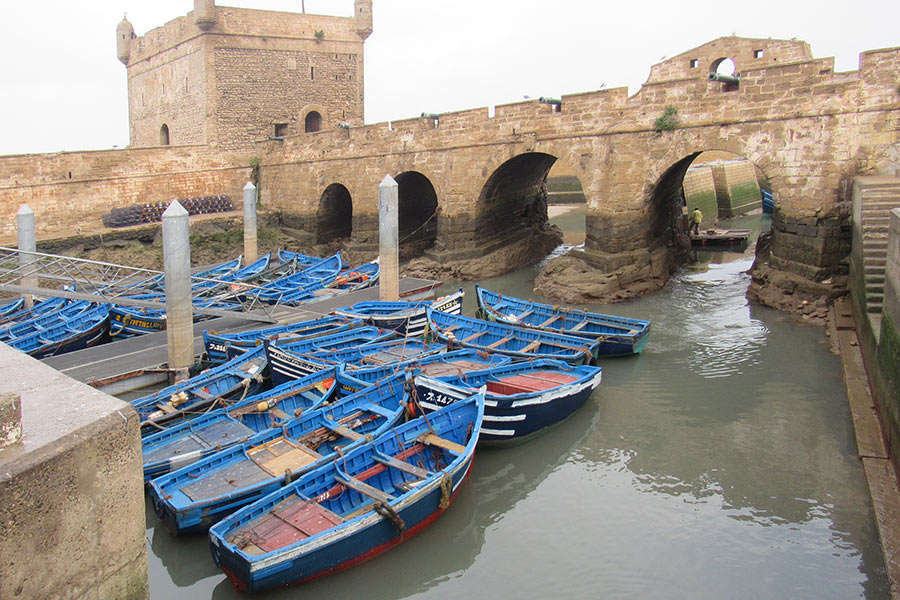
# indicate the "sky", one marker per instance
pixel 63 89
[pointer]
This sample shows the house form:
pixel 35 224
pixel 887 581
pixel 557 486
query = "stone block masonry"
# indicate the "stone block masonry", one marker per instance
pixel 71 191
pixel 71 491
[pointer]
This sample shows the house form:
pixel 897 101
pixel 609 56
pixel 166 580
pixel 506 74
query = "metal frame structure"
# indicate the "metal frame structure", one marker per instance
pixel 23 272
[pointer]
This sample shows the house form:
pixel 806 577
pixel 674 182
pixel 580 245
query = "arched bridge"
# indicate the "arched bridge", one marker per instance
pixel 807 129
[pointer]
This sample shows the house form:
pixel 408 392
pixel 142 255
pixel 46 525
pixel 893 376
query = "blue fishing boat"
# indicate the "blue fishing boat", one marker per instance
pixel 11 307
pixel 86 329
pixel 288 360
pixel 518 342
pixel 217 344
pixel 237 378
pixel 309 279
pixel 455 362
pixel 194 497
pixel 522 399
pixel 214 431
pixel 768 202
pixel 390 352
pixel 43 321
pixel 406 318
pixel 38 308
pixel 346 281
pixel 349 511
pixel 617 335
pixel 302 260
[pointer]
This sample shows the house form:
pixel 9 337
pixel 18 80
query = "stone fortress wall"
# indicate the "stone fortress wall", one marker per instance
pixel 807 129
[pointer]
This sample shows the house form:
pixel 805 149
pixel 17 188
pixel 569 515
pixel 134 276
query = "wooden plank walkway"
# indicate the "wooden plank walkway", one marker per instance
pixel 151 351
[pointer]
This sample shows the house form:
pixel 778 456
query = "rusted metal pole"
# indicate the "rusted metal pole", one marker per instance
pixel 251 249
pixel 179 311
pixel 389 249
pixel 27 243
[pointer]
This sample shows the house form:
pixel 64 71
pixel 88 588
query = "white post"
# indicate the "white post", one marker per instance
pixel 27 243
pixel 389 252
pixel 251 251
pixel 179 311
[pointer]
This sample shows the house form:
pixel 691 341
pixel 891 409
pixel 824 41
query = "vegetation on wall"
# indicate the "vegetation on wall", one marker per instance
pixel 668 120
pixel 320 34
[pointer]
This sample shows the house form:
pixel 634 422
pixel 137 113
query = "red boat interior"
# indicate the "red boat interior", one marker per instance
pixel 535 381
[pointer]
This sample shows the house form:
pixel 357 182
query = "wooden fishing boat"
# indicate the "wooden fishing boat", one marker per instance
pixel 217 344
pixel 43 321
pixel 40 307
pixel 346 281
pixel 351 510
pixel 189 441
pixel 455 362
pixel 86 329
pixel 288 360
pixel 309 279
pixel 10 308
pixel 214 283
pixel 518 342
pixel 237 378
pixel 390 352
pixel 194 497
pixel 522 399
pixel 302 260
pixel 617 335
pixel 406 318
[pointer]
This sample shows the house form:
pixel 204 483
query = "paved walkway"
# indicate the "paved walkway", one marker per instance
pixel 879 468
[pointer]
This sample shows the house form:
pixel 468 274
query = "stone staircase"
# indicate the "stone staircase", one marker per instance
pixel 879 196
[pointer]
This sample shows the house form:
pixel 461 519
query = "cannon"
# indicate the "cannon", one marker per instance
pixel 547 100
pixel 435 116
pixel 732 79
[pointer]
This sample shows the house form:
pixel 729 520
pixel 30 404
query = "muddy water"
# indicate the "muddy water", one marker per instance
pixel 718 464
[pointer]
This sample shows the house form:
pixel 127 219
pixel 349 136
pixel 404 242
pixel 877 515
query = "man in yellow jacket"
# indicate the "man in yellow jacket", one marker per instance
pixel 696 219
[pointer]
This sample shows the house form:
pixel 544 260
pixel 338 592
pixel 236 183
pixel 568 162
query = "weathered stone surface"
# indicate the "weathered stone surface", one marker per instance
pixel 71 491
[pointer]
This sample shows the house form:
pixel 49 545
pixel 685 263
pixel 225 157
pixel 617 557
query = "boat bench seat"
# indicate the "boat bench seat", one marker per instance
pixel 364 488
pixel 433 440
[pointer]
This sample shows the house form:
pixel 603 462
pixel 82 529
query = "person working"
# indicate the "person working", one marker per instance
pixel 696 219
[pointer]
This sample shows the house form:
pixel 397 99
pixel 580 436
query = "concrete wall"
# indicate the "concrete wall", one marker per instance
pixel 700 192
pixel 887 354
pixel 71 491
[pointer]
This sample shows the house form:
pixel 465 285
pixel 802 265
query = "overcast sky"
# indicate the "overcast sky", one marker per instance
pixel 64 89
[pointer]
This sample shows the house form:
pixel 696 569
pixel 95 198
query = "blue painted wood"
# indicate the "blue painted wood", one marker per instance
pixel 240 378
pixel 522 399
pixel 192 498
pixel 83 330
pixel 189 441
pixel 518 342
pixel 341 496
pixel 617 335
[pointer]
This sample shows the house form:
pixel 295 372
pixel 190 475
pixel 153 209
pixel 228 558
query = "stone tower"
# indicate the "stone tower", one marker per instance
pixel 229 77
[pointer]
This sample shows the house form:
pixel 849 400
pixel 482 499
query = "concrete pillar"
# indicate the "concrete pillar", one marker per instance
pixel 251 251
pixel 27 243
pixel 179 311
pixel 10 419
pixel 389 248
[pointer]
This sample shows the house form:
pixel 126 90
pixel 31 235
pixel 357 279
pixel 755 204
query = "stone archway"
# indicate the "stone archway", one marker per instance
pixel 513 201
pixel 334 217
pixel 417 214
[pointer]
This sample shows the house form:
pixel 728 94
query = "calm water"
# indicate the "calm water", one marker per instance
pixel 718 464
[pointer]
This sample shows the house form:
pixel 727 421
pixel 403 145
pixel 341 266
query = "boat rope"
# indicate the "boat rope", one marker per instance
pixel 387 511
pixel 446 488
pixel 437 209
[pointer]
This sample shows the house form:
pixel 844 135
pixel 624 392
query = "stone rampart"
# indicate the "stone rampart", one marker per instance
pixel 70 191
pixel 71 491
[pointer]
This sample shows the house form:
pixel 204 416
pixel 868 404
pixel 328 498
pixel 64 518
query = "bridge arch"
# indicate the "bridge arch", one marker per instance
pixel 417 213
pixel 334 216
pixel 514 197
